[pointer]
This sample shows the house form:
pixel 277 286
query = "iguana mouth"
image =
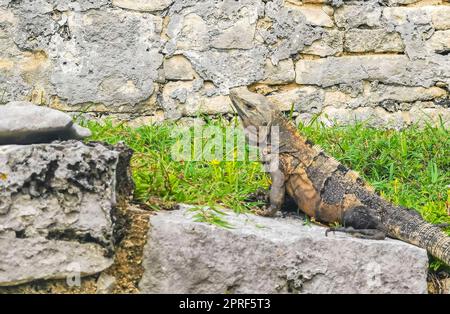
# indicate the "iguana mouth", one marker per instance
pixel 239 111
pixel 238 104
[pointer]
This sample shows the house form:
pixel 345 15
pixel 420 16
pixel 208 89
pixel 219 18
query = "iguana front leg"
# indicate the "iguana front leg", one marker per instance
pixel 276 194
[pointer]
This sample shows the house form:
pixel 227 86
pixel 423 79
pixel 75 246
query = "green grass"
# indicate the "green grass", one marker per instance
pixel 408 167
pixel 158 175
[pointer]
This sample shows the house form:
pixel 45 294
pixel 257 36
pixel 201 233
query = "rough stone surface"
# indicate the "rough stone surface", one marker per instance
pixel 143 5
pixel 282 73
pixel 376 40
pixel 26 123
pixel 304 99
pixel 201 25
pixel 119 57
pixel 287 32
pixel 331 43
pixel 25 260
pixel 382 118
pixel 354 16
pixel 266 255
pixel 389 69
pixel 81 56
pixel 103 60
pixel 192 98
pixel 178 68
pixel 227 69
pixel 440 42
pixel 56 204
pixel 441 18
pixel 316 16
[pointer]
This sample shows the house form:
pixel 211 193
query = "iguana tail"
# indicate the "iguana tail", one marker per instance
pixel 413 229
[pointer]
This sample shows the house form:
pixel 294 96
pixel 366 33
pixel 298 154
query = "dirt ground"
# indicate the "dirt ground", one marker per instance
pixel 439 283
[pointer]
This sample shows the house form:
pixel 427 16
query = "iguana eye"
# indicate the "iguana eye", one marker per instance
pixel 249 105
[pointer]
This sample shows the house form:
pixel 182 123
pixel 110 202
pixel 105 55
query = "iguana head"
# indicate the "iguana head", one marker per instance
pixel 254 109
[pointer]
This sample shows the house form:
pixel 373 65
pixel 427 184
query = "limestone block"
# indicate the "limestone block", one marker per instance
pixel 282 73
pixel 331 43
pixel 352 16
pixel 439 42
pixel 316 16
pixel 178 68
pixel 373 40
pixel 440 17
pixel 184 99
pixel 301 98
pixel 267 255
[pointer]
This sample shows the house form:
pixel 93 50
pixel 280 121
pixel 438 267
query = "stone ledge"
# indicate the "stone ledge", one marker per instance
pixel 265 255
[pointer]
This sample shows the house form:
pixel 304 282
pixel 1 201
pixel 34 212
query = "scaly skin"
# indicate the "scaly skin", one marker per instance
pixel 328 191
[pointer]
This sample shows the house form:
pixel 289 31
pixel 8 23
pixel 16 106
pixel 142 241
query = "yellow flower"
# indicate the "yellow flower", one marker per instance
pixel 215 162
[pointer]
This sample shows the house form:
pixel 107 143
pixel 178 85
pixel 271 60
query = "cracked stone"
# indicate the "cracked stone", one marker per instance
pixel 56 209
pixel 143 5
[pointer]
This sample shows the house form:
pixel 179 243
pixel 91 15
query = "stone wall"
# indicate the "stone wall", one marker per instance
pixel 383 60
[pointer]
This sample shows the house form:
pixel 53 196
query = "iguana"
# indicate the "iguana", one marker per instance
pixel 328 191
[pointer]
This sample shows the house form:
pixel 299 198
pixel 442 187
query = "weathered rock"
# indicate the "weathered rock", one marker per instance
pixel 402 2
pixel 384 117
pixel 80 54
pixel 440 42
pixel 178 68
pixel 374 117
pixel 354 16
pixel 441 18
pixel 388 69
pixel 143 5
pixel 331 43
pixel 79 5
pixel 26 123
pixel 372 40
pixel 409 15
pixel 103 60
pixel 414 25
pixel 380 93
pixel 201 25
pixel 436 116
pixel 282 73
pixel 25 260
pixel 56 209
pixel 346 70
pixel 302 99
pixel 288 31
pixel 229 68
pixel 316 16
pixel 187 99
pixel 377 104
pixel 266 255
pixel 115 57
